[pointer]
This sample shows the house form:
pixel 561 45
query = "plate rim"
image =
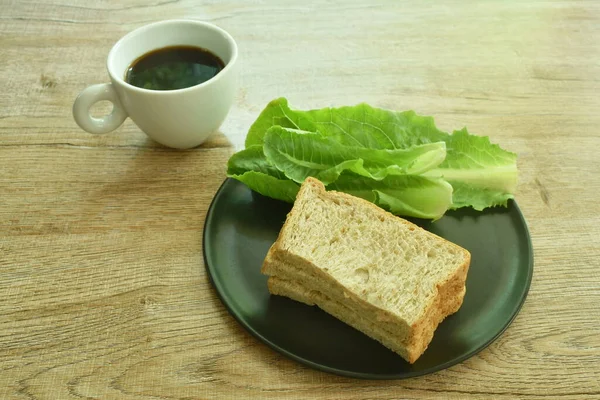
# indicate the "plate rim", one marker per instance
pixel 218 288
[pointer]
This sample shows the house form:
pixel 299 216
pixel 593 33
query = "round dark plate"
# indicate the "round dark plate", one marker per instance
pixel 241 225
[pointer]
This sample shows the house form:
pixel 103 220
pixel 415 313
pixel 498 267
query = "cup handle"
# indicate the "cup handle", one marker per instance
pixel 90 96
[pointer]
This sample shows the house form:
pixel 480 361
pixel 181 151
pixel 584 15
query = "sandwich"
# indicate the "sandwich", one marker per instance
pixel 379 273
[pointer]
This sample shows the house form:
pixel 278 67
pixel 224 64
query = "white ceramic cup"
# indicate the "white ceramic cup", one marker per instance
pixel 182 118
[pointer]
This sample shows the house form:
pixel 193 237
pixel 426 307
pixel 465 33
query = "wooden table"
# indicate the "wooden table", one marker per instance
pixel 103 292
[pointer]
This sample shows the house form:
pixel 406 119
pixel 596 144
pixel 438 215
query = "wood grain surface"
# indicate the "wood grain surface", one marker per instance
pixel 103 293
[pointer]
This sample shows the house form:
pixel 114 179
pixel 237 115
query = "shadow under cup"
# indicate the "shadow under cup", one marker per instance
pixel 181 118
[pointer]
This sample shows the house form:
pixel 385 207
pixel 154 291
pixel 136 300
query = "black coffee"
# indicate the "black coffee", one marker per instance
pixel 175 67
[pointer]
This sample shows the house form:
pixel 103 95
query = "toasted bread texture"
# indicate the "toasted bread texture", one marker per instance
pixel 379 273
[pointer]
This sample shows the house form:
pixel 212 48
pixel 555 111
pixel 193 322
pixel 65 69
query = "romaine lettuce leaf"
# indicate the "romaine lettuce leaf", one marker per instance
pixel 300 154
pixel 375 128
pixel 252 159
pixel 370 152
pixel 251 167
pixel 360 125
pixel 277 113
pixel 407 195
pixel 267 185
pixel 481 173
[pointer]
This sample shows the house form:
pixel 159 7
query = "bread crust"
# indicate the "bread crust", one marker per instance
pixel 449 293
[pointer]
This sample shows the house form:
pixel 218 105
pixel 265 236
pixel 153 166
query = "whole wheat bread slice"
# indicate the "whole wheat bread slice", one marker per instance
pixel 388 271
pixel 296 291
pixel 285 271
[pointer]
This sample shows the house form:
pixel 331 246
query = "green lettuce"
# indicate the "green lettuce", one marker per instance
pixel 300 154
pixel 360 125
pixel 397 160
pixel 269 186
pixel 481 173
pixel 251 167
pixel 277 113
pixel 408 195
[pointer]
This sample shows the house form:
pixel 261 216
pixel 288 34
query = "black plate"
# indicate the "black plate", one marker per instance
pixel 241 225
